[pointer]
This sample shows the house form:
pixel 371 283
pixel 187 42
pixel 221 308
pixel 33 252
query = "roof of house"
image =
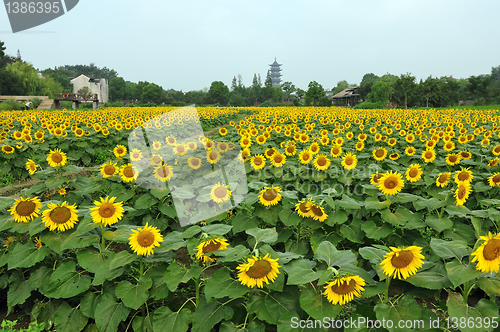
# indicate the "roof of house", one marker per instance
pixel 348 92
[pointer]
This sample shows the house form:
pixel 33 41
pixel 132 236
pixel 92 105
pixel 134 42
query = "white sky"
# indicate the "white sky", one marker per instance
pixel 185 45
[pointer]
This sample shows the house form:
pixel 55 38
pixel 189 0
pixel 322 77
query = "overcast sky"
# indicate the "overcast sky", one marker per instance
pixel 185 45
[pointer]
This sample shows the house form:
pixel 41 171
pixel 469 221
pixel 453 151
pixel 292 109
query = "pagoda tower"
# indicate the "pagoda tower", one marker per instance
pixel 276 73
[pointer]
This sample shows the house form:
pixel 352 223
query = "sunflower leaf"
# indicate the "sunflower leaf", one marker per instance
pixel 166 320
pixel 208 314
pixel 317 305
pixel 109 313
pixel 69 319
pixel 221 284
pixel 267 235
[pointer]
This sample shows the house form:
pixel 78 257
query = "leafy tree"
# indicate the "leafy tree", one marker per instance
pixel 61 76
pixel 288 88
pixel 269 80
pixel 117 88
pixel 218 92
pixel 277 96
pixel 300 93
pixel 152 93
pixel 404 85
pixel 429 89
pixel 10 83
pixel 342 85
pixel 137 93
pixel 478 87
pixel 365 87
pixel 31 84
pixel 199 97
pixel 240 80
pixel 380 93
pixel 84 91
pixel 233 83
pixel 314 93
pixel 450 91
pixel 255 81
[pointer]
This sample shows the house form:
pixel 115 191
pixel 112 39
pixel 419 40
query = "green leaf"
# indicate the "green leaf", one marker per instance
pixel 191 231
pixel 54 182
pixel 457 308
pixel 271 306
pixel 145 201
pixel 121 235
pixel 243 221
pixel 326 251
pixel 159 193
pixel 429 280
pixel 317 305
pixel 18 292
pixel 490 285
pixel 221 284
pixel 166 320
pixel 348 203
pixel 175 274
pixel 406 310
pixel 374 255
pixel 168 210
pixel 6 202
pixel 26 255
pixel 372 203
pixel 69 319
pixel 216 229
pixel 399 218
pixel 459 274
pixel 72 168
pixel 65 282
pixel 208 314
pixel 374 231
pixel 109 314
pixel 300 272
pixel 133 296
pixel 267 235
pixel 438 224
pixel 121 259
pixel 449 249
pixel 233 254
pixel 290 217
pixel 143 324
pixel 352 231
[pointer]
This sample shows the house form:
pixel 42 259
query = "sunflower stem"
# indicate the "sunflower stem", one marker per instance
pixel 386 295
pixel 141 269
pixel 103 240
pixel 197 281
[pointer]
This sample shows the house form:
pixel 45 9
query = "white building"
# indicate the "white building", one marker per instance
pixel 97 86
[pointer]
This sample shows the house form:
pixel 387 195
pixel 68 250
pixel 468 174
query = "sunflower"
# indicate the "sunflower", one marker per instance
pixel 321 162
pixel 156 145
pixel 379 154
pixel 143 240
pixel 394 156
pixel 496 150
pixel 303 208
pixel 402 262
pixel 278 159
pixel 375 177
pixel 270 196
pixel 135 155
pixel 349 161
pixel 465 155
pixel 223 147
pixel 57 158
pixel 428 156
pixel 210 245
pixel 359 146
pixel 7 149
pixel 290 150
pixel 342 290
pixel 258 270
pixel 107 211
pixel 305 156
pixel 220 193
pixel 494 180
pixel 245 142
pixel 487 255
pixel 109 169
pixel 129 173
pixel 156 159
pixel 414 173
pixel 261 139
pixel 452 159
pixel 223 131
pixel 163 172
pixel 258 161
pixel 463 175
pixel 31 166
pixel 8 242
pixel 25 209
pixel 170 140
pixel 314 148
pixel 62 192
pixel 391 183
pixel 442 179
pixel 493 162
pixel 318 213
pixel 462 193
pixel 213 156
pixel 336 151
pixel 194 162
pixel 61 217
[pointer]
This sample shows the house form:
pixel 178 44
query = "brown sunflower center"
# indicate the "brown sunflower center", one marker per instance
pixel 32 166
pixel 443 178
pixel 109 169
pixel 464 155
pixel 106 210
pixel 461 192
pixel 259 269
pixel 180 148
pixel 128 172
pixel 321 161
pixel 343 288
pixel 304 207
pixel 463 176
pixel 349 161
pixel 493 163
pixel 257 161
pixel 428 155
pixel 270 194
pixel 497 149
pixel 335 151
pixel 496 178
pixel 413 172
pixel 211 247
pixel 402 259
pixel 56 157
pixel 25 208
pixel 195 162
pixel 79 132
pixel 213 155
pixel 156 159
pixel 278 158
pixel 163 171
pixel 391 182
pixel 306 156
pixel 60 215
pixel 145 238
pixel 171 140
pixel 317 211
pixel 8 148
pixel 119 151
pixel 452 159
pixel 223 146
pixel 377 177
pixel 220 192
pixel 491 250
pixel 135 155
pixel 379 153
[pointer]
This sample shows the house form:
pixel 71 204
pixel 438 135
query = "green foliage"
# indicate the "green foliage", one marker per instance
pixel 314 93
pixel 11 105
pixel 218 92
pixel 9 326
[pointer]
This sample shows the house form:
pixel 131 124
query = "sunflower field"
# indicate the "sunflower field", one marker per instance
pixel 353 220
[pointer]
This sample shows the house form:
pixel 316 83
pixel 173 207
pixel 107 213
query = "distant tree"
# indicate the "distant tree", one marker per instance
pixel 449 88
pixel 233 83
pixel 300 93
pixel 31 84
pixel 341 86
pixel 288 88
pixel 255 81
pixel 61 76
pixel 277 96
pixel 218 92
pixel 478 88
pixel 380 93
pixel 260 82
pixel 365 87
pixel 267 91
pixel 240 80
pixel 137 93
pixel 314 93
pixel 429 89
pixel 152 93
pixel 404 85
pixel 117 88
pixel 269 80
pixel 84 90
pixel 10 83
